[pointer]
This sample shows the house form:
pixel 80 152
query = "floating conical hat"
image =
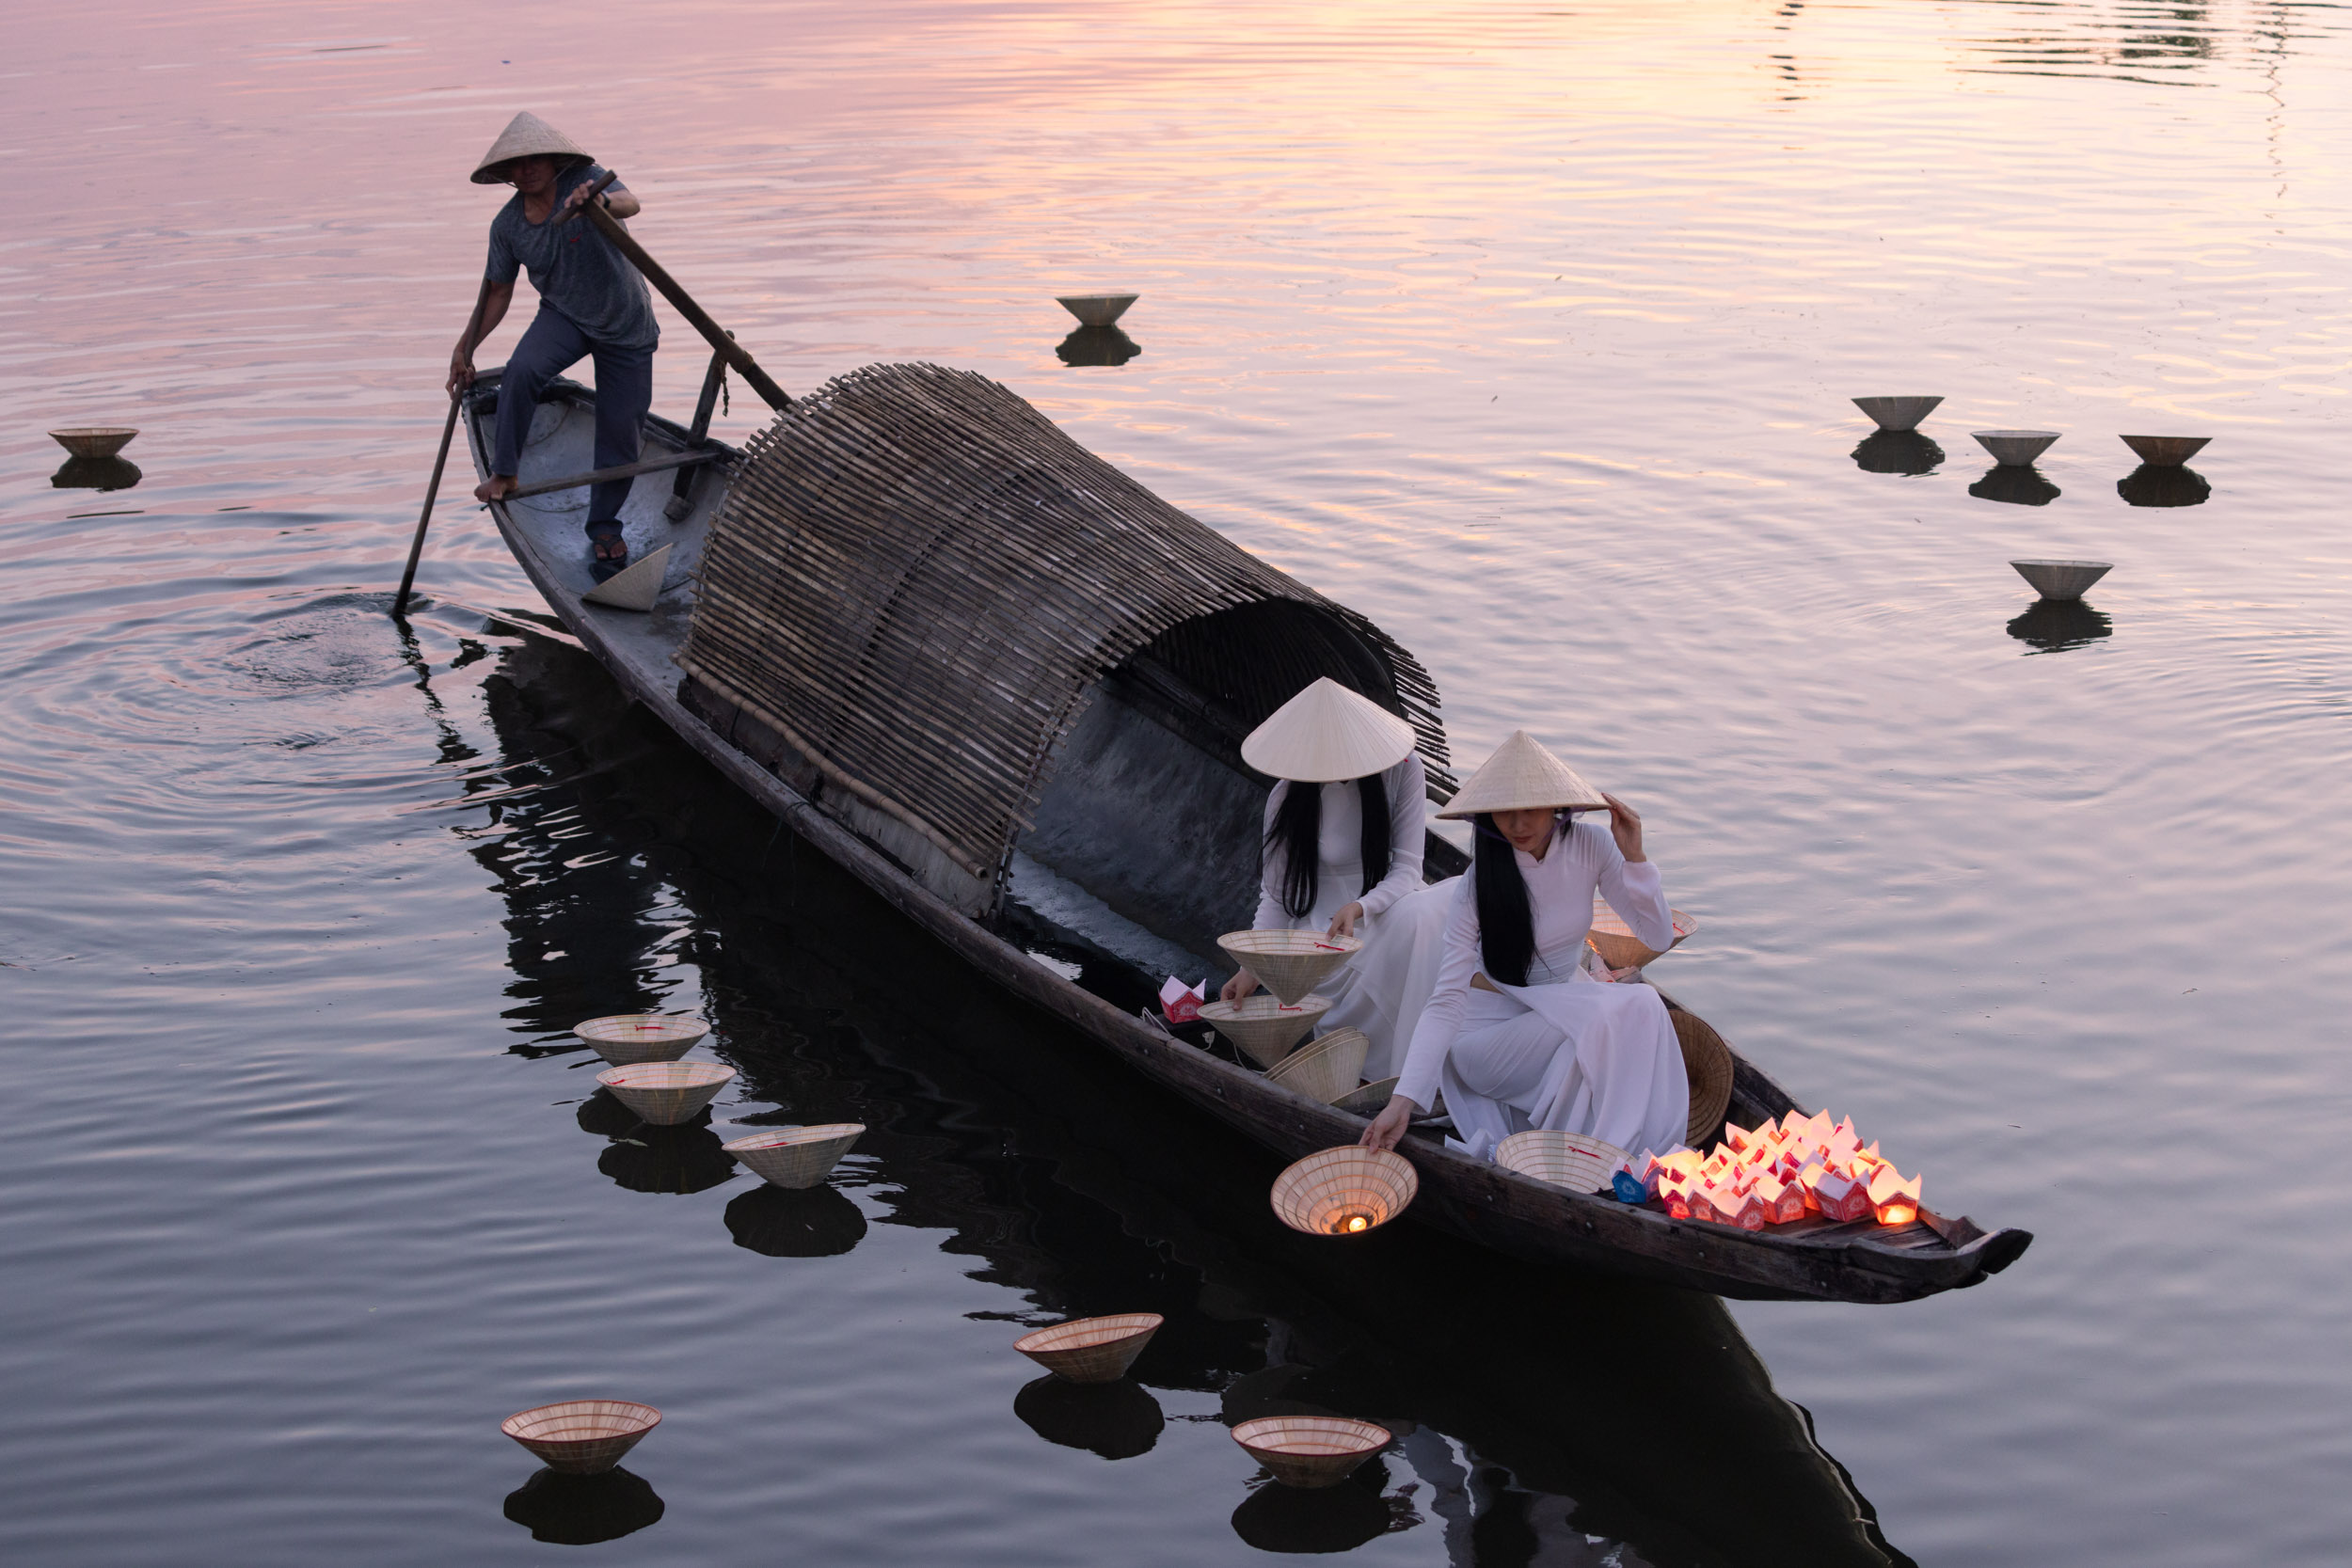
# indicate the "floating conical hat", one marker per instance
pixel 525 134
pixel 1522 776
pixel 1326 734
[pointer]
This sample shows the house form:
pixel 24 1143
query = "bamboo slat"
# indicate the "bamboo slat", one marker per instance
pixel 916 579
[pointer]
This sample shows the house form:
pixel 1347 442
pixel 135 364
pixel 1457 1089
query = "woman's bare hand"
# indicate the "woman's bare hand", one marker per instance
pixel 1387 1128
pixel 1344 923
pixel 1625 825
pixel 1241 985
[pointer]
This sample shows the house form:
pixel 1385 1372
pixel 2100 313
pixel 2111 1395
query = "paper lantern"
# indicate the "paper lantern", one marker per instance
pixel 1842 1197
pixel 666 1093
pixel 581 1437
pixel 1311 1450
pixel 624 1038
pixel 1344 1191
pixel 1092 1349
pixel 1569 1160
pixel 1265 1026
pixel 1326 1070
pixel 1291 963
pixel 1896 1201
pixel 796 1156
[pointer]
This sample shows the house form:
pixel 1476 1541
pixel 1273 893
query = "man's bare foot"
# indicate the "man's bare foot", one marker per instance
pixel 495 488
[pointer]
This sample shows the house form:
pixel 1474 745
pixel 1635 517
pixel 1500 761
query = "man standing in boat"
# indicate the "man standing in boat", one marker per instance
pixel 592 302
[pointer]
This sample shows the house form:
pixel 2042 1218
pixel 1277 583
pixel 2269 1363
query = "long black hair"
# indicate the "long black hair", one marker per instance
pixel 1507 922
pixel 1297 835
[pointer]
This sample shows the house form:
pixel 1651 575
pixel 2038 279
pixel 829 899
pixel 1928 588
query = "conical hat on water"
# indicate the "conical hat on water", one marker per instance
pixel 1092 1349
pixel 1265 1027
pixel 1326 734
pixel 1522 776
pixel 1326 1069
pixel 1291 963
pixel 796 1156
pixel 526 136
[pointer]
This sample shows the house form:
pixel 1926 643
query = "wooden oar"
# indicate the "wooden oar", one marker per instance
pixel 441 459
pixel 696 317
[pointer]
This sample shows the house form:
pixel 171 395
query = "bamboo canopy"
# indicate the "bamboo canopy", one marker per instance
pixel 918 579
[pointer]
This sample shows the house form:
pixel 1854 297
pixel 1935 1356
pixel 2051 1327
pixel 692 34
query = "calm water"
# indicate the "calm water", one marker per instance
pixel 1526 330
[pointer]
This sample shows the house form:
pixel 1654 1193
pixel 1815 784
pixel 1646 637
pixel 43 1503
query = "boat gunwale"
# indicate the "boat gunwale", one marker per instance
pixel 1477 1200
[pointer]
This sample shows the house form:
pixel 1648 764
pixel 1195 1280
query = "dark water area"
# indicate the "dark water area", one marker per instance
pixel 1527 331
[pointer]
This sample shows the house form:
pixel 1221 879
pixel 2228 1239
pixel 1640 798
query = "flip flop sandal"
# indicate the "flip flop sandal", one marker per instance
pixel 609 554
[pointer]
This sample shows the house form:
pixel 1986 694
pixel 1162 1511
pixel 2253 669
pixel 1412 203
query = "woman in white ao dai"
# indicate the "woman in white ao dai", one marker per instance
pixel 1517 1035
pixel 1344 837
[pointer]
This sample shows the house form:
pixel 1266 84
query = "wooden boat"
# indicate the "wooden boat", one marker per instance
pixel 1005 686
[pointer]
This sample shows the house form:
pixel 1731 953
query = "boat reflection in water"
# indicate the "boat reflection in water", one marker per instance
pixel 1535 1410
pixel 2172 486
pixel 581 1511
pixel 1897 452
pixel 2017 485
pixel 1097 345
pixel 2054 625
pixel 1118 1420
pixel 96 473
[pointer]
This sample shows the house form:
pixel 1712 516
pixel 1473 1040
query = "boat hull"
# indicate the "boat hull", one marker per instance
pixel 1472 1199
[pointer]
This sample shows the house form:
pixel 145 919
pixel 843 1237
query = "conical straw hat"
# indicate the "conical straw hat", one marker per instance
pixel 1568 1160
pixel 1706 1064
pixel 1291 963
pixel 1326 734
pixel 524 135
pixel 666 1093
pixel 1344 1191
pixel 1522 776
pixel 1092 1349
pixel 1329 1068
pixel 796 1156
pixel 1265 1027
pixel 1311 1452
pixel 626 1038
pixel 581 1437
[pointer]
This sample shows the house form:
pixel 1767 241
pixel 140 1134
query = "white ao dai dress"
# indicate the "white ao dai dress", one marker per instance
pixel 1358 1000
pixel 1565 1052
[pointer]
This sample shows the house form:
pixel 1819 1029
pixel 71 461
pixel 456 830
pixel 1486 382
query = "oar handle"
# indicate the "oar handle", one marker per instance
pixel 696 317
pixel 594 191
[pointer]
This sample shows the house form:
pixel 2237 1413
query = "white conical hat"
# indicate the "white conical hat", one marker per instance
pixel 1326 734
pixel 524 135
pixel 1522 776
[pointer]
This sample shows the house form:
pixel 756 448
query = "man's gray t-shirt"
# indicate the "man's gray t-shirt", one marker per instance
pixel 577 272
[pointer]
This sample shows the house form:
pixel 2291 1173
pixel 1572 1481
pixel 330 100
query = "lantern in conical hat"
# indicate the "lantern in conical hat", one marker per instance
pixel 1291 963
pixel 1327 734
pixel 1344 1191
pixel 1522 776
pixel 527 136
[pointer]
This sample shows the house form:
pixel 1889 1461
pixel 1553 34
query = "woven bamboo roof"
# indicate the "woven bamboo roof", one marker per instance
pixel 919 579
